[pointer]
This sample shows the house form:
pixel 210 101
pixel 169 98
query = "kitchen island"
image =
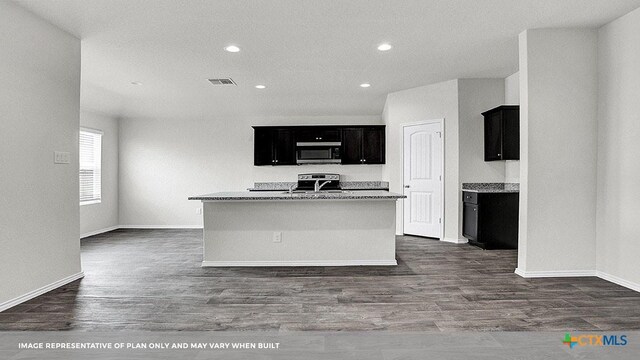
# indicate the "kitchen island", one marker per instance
pixel 279 228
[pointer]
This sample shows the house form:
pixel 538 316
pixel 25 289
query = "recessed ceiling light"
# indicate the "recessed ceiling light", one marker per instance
pixel 384 47
pixel 136 83
pixel 365 85
pixel 260 87
pixel 232 48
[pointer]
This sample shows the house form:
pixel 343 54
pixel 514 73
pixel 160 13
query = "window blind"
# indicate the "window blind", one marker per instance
pixel 90 166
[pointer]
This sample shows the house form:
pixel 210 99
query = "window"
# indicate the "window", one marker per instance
pixel 90 166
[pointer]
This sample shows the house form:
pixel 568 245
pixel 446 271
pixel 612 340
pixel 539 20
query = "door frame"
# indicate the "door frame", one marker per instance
pixel 426 122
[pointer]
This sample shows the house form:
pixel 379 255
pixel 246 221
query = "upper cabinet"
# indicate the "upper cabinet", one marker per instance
pixel 361 145
pixel 274 146
pixel 317 133
pixel 502 133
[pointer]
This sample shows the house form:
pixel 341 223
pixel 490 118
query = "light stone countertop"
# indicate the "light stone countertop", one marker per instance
pixel 491 187
pixel 274 195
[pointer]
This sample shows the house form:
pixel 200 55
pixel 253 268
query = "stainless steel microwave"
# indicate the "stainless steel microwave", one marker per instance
pixel 318 152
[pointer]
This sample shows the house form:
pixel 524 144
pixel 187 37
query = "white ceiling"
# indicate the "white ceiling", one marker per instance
pixel 311 54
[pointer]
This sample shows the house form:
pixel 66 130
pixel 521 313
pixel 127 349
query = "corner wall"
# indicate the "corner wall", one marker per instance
pixel 476 96
pixel 512 97
pixel 437 101
pixel 618 204
pixel 39 114
pixel 461 103
pixel 558 93
pixel 97 218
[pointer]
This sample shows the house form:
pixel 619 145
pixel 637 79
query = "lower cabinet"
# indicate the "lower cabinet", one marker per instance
pixel 490 220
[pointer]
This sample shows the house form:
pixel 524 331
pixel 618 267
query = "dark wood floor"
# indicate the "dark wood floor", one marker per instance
pixel 152 280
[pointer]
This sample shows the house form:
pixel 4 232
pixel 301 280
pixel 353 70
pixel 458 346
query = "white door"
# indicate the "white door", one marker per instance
pixel 423 179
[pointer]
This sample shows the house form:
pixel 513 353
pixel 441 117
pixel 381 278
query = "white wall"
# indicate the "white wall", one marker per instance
pixel 618 149
pixel 474 97
pixel 436 101
pixel 558 93
pixel 39 112
pixel 163 161
pixel 97 217
pixel 512 97
pixel 512 89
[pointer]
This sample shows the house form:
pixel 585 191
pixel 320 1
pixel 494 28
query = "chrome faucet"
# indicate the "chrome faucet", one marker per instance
pixel 317 186
pixel 292 187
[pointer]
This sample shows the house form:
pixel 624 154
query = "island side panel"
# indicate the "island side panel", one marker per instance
pixel 314 233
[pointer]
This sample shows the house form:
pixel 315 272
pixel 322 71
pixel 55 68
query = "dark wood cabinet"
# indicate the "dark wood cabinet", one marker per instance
pixel 490 220
pixel 363 145
pixel 316 133
pixel 470 223
pixel 352 146
pixel 274 147
pixel 502 133
pixel 373 145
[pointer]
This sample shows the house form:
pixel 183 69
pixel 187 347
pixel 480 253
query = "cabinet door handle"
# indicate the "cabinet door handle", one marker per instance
pixel 364 160
pixel 407 186
pixel 499 154
pixel 276 160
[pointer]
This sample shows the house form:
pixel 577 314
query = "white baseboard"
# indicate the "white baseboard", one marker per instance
pixel 37 292
pixel 160 226
pixel 299 263
pixel 101 231
pixel 576 273
pixel 455 241
pixel 111 228
pixel 559 273
pixel 619 281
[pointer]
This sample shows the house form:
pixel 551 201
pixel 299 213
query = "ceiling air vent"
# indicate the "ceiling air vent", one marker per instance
pixel 222 82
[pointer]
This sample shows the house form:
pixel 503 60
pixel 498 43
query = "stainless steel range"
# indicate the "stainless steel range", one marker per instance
pixel 318 181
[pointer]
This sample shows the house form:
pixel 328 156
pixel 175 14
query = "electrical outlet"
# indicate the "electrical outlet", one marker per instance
pixel 277 236
pixel 199 211
pixel 61 157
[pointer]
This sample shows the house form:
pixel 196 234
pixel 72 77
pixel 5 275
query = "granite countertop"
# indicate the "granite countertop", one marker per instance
pixel 273 195
pixel 345 185
pixel 491 187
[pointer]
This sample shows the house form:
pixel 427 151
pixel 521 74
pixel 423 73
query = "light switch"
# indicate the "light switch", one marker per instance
pixel 61 157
